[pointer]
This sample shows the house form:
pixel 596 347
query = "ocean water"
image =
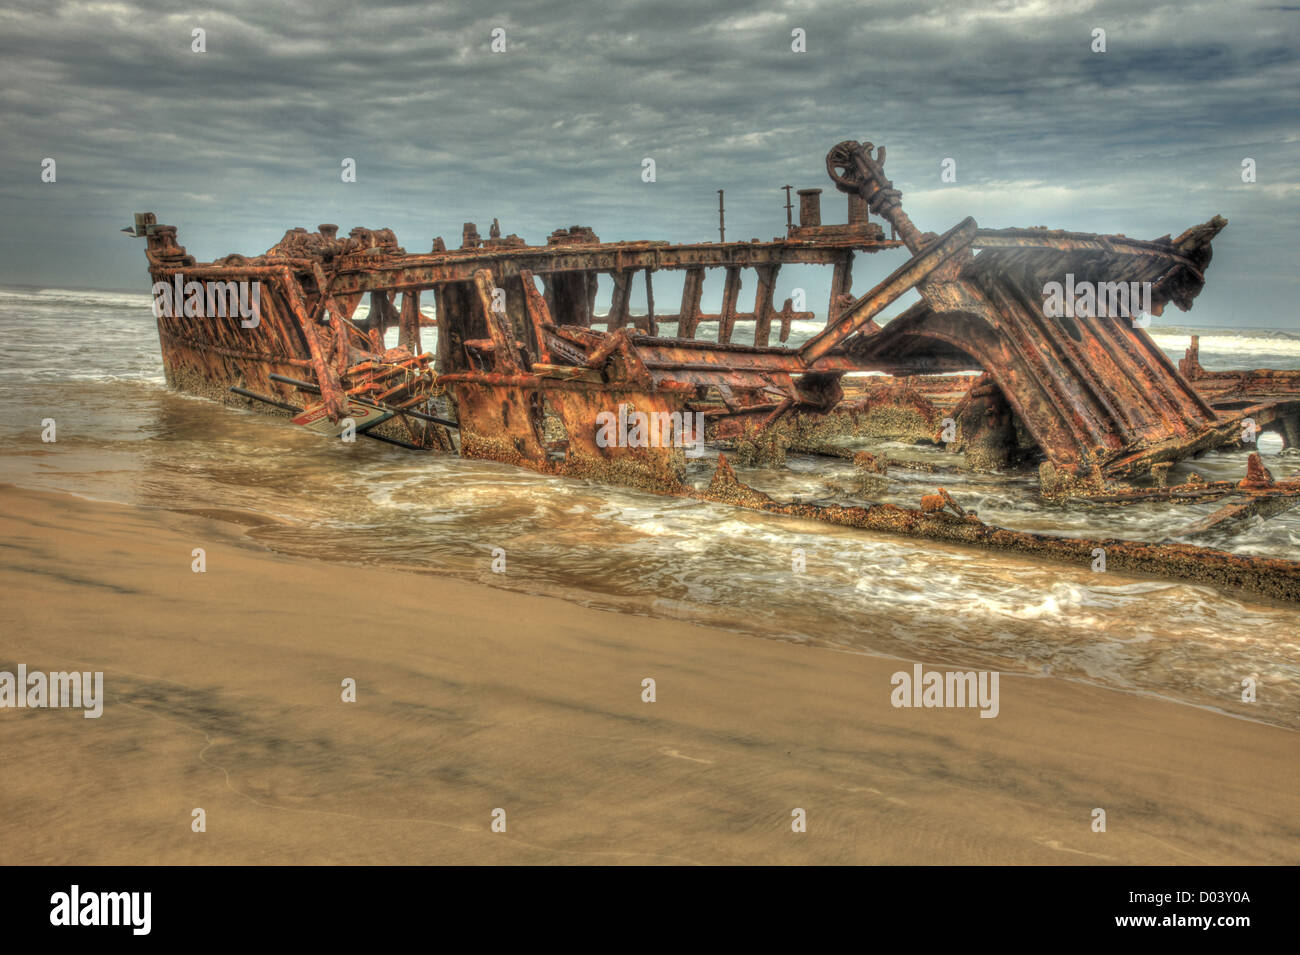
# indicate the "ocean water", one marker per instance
pixel 90 360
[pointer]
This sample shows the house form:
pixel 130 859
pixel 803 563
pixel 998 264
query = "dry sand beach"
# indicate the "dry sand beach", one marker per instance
pixel 223 692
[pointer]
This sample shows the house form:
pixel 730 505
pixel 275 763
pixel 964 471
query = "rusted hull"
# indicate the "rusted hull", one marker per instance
pixel 534 376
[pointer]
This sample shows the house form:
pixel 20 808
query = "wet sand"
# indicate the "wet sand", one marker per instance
pixel 223 692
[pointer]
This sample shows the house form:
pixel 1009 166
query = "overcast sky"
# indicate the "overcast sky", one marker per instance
pixel 237 144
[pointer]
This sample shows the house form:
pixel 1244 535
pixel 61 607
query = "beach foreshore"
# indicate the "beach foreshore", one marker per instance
pixel 223 691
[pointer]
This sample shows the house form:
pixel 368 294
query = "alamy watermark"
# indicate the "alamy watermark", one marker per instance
pixel 179 298
pixel 1098 300
pixel 655 429
pixel 952 688
pixel 76 907
pixel 57 689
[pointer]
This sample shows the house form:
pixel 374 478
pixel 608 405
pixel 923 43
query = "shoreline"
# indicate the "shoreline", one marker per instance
pixel 223 693
pixel 247 520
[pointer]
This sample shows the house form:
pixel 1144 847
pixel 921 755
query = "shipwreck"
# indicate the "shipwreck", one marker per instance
pixel 525 372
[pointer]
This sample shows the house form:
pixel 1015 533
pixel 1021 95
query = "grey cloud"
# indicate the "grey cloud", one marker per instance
pixel 240 143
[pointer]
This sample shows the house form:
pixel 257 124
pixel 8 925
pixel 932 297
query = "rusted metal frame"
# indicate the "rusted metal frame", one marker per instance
pixel 841 284
pixel 616 341
pixel 749 380
pixel 1130 462
pixel 1079 241
pixel 377 320
pixel 1056 433
pixel 335 405
pixel 1131 249
pixel 236 272
pixel 576 291
pixel 1158 385
pixel 227 352
pixel 548 292
pixel 281 334
pixel 348 306
pixel 279 329
pixel 1141 360
pixel 620 300
pixel 360 391
pixel 763 309
pixel 787 317
pixel 408 335
pixel 900 281
pixel 1086 431
pixel 295 409
pixel 730 294
pixel 651 326
pixel 689 314
pixel 560 348
pixel 1263 506
pixel 633 367
pixel 323 284
pixel 739 318
pixel 363 273
pixel 1072 420
pixel 374 382
pixel 714 348
pixel 361 339
pixel 323 299
pixel 584 338
pixel 735 369
pixel 340 311
pixel 1098 385
pixel 668 353
pixel 1215 490
pixel 1155 385
pixel 1159 354
pixel 568 372
pixel 420 360
pixel 723 362
pixel 395 389
pixel 540 382
pixel 405 408
pixel 1274 577
pixel 221 333
pixel 539 314
pixel 506 357
pixel 592 282
pixel 1111 341
pixel 495 379
pixel 1020 306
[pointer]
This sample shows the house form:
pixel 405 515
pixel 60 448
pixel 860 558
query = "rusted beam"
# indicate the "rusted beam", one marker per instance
pixel 409 326
pixel 763 310
pixel 651 326
pixel 620 297
pixel 730 294
pixel 841 286
pixel 1272 577
pixel 505 356
pixel 539 315
pixel 914 271
pixel 689 314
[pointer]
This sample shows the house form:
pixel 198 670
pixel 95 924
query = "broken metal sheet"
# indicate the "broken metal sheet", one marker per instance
pixel 1095 393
